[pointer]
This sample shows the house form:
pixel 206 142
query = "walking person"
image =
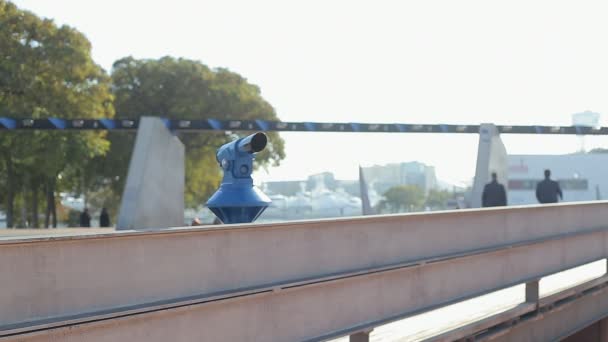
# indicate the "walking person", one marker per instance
pixel 104 218
pixel 494 194
pixel 548 190
pixel 85 218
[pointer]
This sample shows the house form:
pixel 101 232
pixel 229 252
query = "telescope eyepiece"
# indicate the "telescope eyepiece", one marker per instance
pixel 254 143
pixel 258 142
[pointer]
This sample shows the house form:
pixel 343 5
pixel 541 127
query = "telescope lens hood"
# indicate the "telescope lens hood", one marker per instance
pixel 258 142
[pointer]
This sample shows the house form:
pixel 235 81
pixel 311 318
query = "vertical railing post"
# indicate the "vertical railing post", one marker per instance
pixel 362 336
pixel 532 292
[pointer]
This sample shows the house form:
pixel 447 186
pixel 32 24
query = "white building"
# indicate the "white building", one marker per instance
pixel 583 177
pixel 410 173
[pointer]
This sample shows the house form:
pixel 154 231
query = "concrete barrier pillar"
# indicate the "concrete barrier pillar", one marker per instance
pixel 153 197
pixel 491 157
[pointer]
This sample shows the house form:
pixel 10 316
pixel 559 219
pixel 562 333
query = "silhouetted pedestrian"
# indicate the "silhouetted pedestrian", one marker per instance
pixel 494 194
pixel 548 190
pixel 85 218
pixel 104 218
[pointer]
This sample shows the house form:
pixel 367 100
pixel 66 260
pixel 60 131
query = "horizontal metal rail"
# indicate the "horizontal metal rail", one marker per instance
pixel 498 324
pixel 301 311
pixel 469 331
pixel 187 125
pixel 12 329
pixel 558 320
pixel 63 276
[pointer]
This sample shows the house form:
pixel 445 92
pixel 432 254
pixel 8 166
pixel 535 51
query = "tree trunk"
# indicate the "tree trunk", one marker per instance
pixel 24 222
pixel 10 193
pixel 35 221
pixel 84 189
pixel 48 194
pixel 53 206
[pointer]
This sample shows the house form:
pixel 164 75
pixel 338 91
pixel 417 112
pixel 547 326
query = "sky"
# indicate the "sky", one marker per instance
pixel 452 62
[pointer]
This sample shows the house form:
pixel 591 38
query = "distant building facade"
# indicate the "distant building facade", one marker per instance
pixel 582 176
pixel 319 196
pixel 291 188
pixel 285 188
pixel 322 195
pixel 384 177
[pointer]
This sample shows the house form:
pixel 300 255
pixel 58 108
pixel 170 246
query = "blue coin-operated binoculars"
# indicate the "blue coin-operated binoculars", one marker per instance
pixel 238 200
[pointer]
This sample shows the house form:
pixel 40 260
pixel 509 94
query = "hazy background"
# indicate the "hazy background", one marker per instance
pixel 515 62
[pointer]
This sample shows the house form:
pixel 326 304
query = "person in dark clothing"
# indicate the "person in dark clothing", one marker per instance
pixel 104 218
pixel 548 190
pixel 85 218
pixel 494 194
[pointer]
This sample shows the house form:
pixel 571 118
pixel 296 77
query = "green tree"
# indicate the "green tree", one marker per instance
pixel 46 71
pixel 186 89
pixel 437 199
pixel 402 198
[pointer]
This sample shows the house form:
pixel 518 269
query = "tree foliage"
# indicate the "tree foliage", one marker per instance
pixel 402 198
pixel 186 89
pixel 437 199
pixel 46 71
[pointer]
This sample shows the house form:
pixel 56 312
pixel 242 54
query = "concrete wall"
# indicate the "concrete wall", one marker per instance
pixel 153 197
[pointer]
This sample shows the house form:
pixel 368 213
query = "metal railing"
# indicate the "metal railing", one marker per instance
pixel 293 281
pixel 189 125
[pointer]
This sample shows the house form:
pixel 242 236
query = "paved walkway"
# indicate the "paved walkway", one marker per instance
pixel 6 233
